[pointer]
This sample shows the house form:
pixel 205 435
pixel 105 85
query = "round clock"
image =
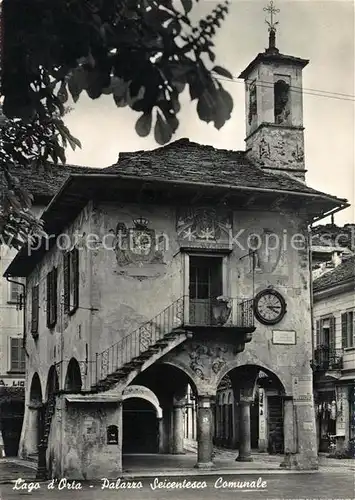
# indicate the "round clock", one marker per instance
pixel 269 307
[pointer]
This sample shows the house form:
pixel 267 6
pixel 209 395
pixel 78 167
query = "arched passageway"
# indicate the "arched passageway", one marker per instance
pixel 249 412
pixel 73 381
pixel 140 427
pixel 144 430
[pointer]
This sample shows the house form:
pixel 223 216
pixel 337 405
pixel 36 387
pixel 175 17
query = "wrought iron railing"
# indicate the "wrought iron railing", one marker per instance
pixel 139 341
pixel 211 312
pixel 328 358
pixel 182 312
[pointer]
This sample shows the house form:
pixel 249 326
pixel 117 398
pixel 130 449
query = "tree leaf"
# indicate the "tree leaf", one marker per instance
pixel 144 124
pixel 187 4
pixel 205 107
pixel 162 131
pixel 222 71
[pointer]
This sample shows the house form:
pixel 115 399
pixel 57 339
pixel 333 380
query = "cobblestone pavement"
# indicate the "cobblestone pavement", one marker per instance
pixel 266 486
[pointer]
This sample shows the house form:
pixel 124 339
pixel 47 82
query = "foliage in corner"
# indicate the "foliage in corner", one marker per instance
pixel 142 52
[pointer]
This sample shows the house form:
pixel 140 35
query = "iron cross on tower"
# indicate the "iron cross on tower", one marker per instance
pixel 272 24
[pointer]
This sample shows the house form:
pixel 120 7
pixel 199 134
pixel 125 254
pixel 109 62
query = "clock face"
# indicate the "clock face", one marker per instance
pixel 269 307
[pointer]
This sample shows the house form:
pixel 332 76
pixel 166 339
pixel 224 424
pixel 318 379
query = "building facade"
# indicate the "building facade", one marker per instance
pixel 334 356
pixel 159 275
pixel 12 359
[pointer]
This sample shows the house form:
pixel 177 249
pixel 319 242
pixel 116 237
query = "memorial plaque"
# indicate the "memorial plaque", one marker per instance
pixel 284 337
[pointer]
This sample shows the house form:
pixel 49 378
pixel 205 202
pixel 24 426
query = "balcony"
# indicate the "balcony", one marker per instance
pixel 237 313
pixel 327 358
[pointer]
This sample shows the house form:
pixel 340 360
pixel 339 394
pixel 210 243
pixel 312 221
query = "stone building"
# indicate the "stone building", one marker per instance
pixel 162 272
pixel 334 355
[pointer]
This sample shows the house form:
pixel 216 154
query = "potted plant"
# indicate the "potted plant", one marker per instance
pixel 221 309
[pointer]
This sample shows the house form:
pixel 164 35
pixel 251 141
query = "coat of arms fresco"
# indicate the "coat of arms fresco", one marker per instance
pixel 203 225
pixel 264 253
pixel 138 245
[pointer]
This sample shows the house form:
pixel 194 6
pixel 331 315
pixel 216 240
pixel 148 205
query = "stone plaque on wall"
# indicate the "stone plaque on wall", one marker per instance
pixel 284 337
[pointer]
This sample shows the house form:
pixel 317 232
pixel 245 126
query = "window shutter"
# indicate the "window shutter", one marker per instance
pixel 332 333
pixel 351 328
pixel 66 260
pixel 75 271
pixel 49 293
pixel 344 330
pixel 54 296
pixel 35 309
pixel 318 342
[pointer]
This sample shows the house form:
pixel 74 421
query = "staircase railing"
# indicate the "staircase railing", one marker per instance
pixel 45 430
pixel 179 313
pixel 139 341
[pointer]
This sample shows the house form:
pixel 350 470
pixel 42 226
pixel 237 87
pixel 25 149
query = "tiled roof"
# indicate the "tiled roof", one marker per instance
pixel 44 181
pixel 342 273
pixel 187 161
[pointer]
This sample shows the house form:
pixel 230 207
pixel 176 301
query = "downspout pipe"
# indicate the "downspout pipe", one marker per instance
pixel 311 288
pixel 10 280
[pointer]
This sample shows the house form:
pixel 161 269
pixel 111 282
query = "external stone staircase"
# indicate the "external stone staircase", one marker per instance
pixel 140 349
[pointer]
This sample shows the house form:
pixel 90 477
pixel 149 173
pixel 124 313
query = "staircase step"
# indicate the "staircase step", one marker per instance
pixel 162 343
pixel 153 349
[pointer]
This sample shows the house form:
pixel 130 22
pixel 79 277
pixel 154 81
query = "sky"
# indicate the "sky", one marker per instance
pixel 321 31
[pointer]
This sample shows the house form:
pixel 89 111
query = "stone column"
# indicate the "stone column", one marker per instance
pixel 166 429
pixel 244 431
pixel 161 443
pixel 32 434
pixel 204 433
pixel 178 428
pixel 289 430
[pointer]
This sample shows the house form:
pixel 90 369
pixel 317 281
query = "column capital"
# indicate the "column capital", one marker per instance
pixel 246 400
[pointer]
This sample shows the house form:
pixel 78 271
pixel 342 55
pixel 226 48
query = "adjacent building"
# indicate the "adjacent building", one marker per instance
pixel 334 354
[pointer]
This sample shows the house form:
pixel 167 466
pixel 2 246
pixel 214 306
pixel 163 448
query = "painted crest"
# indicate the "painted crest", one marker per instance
pixel 264 254
pixel 137 245
pixel 203 225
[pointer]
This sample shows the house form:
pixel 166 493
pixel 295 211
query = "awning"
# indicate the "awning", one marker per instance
pixel 347 378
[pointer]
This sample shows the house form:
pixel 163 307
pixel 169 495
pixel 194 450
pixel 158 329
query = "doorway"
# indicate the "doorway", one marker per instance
pixel 205 285
pixel 140 427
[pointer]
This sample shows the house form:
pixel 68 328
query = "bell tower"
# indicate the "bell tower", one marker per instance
pixel 274 109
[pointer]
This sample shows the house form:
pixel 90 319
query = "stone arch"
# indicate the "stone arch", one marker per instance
pixel 229 398
pixel 140 391
pixel 35 390
pixel 191 376
pixel 73 382
pixel 52 382
pixel 258 365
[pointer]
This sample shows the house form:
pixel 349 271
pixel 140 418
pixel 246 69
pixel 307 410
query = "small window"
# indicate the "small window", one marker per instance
pixel 71 281
pixel 347 329
pixel 252 102
pixel 282 102
pixel 52 298
pixel 35 310
pixel 17 360
pixel 15 293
